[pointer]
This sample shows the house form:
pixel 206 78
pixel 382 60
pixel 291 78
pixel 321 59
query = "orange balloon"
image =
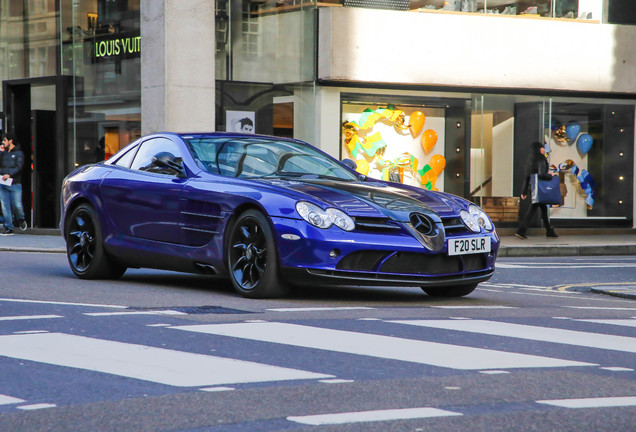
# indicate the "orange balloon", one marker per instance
pixel 429 139
pixel 417 120
pixel 437 164
pixel 363 166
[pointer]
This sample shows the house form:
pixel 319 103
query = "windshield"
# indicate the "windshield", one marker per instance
pixel 260 157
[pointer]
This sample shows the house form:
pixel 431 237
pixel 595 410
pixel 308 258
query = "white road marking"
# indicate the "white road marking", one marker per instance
pixel 474 307
pixel 387 347
pixel 61 303
pixel 565 265
pixel 601 402
pixel 36 406
pixel 216 389
pixel 320 309
pixel 28 317
pixel 371 416
pixel 618 322
pixel 157 312
pixel 336 381
pixel 536 333
pixel 8 400
pixel 602 308
pixel 147 363
pixel 617 369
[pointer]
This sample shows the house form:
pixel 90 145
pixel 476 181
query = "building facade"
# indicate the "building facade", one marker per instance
pixel 443 95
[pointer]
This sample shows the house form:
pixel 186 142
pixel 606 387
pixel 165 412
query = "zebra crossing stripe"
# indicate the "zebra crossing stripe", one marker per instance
pixel 27 317
pixel 159 365
pixel 387 347
pixel 371 416
pixel 601 402
pixel 8 400
pixel 535 333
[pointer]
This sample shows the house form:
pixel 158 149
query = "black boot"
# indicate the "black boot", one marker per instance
pixel 551 234
pixel 521 234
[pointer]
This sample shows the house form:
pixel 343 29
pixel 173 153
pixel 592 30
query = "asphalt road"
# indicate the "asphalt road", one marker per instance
pixel 533 349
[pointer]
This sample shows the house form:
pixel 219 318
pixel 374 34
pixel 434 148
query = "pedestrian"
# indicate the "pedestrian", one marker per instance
pixel 537 164
pixel 11 164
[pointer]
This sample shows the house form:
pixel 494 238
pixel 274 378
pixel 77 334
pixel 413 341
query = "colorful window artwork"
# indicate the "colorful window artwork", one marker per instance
pixel 400 144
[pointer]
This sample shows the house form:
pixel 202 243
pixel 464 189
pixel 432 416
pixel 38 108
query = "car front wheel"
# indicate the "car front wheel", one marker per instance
pixel 252 258
pixel 450 291
pixel 85 248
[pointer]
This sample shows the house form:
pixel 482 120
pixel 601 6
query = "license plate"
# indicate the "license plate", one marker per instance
pixel 468 245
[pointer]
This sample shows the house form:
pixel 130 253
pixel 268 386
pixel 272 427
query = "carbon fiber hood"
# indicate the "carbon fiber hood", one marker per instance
pixel 374 198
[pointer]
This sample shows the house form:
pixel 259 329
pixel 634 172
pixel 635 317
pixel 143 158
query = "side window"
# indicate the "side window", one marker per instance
pixel 126 158
pixel 148 149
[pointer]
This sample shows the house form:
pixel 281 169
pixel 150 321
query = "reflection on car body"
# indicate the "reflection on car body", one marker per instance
pixel 269 213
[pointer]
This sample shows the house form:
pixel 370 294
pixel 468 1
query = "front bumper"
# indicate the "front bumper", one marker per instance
pixel 334 256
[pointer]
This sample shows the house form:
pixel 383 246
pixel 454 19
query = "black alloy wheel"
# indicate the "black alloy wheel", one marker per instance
pixel 84 247
pixel 253 259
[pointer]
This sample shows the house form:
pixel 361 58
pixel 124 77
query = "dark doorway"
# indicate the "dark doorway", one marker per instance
pixel 44 174
pixel 36 111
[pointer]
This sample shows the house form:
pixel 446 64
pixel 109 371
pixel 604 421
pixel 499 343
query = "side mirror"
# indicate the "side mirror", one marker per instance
pixel 350 163
pixel 170 161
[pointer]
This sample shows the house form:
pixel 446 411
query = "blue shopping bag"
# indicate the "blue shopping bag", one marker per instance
pixel 545 191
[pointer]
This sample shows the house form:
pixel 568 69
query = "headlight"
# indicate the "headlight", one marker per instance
pixel 481 217
pixel 341 219
pixel 324 218
pixel 469 221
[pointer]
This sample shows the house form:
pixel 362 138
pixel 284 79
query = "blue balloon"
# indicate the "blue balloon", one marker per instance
pixel 572 130
pixel 584 143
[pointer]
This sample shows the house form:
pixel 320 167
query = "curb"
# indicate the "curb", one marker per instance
pixel 534 251
pixel 627 294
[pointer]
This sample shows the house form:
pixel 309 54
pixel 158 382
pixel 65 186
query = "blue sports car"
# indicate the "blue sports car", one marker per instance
pixel 270 213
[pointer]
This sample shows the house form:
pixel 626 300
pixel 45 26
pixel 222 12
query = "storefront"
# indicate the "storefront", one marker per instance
pixel 71 89
pixel 72 81
pixel 477 145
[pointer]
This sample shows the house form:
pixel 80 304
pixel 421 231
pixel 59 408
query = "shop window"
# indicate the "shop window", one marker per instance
pixel 398 143
pixel 592 147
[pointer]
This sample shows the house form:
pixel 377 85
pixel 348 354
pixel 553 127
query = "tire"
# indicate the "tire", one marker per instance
pixel 450 291
pixel 252 258
pixel 85 247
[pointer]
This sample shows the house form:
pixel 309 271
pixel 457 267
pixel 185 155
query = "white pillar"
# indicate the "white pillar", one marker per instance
pixel 177 65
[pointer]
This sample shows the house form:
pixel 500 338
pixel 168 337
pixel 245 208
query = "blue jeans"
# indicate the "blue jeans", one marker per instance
pixel 11 199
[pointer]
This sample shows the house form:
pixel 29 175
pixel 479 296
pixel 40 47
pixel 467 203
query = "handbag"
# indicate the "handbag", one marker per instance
pixel 545 191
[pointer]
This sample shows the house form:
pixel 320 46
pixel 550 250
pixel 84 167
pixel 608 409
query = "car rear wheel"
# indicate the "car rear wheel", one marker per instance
pixel 253 259
pixel 85 248
pixel 450 291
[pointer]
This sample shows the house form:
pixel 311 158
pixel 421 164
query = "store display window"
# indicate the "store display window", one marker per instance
pixel 591 146
pixel 398 143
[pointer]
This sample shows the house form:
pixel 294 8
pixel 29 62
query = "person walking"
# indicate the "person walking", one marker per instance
pixel 537 164
pixel 11 164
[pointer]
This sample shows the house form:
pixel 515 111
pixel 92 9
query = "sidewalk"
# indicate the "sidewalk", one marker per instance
pixel 574 242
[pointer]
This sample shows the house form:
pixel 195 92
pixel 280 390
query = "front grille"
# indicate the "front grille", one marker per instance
pixel 453 224
pixel 375 224
pixel 411 263
pixel 362 260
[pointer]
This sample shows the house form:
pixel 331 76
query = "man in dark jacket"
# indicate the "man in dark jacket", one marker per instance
pixel 11 164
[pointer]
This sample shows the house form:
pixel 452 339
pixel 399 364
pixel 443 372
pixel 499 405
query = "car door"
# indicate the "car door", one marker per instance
pixel 143 201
